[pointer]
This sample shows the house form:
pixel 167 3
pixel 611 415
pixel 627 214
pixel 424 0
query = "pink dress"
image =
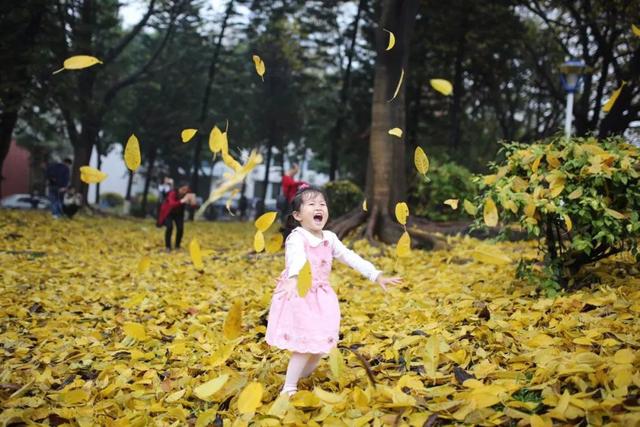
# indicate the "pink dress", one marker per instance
pixel 310 324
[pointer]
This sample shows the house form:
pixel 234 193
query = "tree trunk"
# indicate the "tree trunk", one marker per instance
pixel 8 121
pixel 127 197
pixel 147 181
pixel 99 164
pixel 267 168
pixel 458 87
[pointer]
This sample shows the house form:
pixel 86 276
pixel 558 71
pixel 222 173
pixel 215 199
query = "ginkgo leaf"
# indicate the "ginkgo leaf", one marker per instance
pixel 402 212
pixel 173 397
pixel 232 327
pixel 265 220
pixel 421 160
pixel 396 132
pixel 304 279
pixel 452 202
pixel 91 175
pixel 78 62
pixel 204 391
pixel 230 161
pixel 491 256
pixel 635 30
pixel 250 398
pixel 469 207
pixel 567 222
pixel 441 85
pixel 132 153
pixel 395 93
pixel 392 39
pixel 196 254
pixel 135 330
pixel 364 205
pixel 144 264
pixel 230 200
pixel 216 140
pixel 490 213
pixel 336 363
pixel 187 134
pixel 260 67
pixel 275 243
pixel 279 406
pixel 258 241
pixel 403 247
pixel 614 96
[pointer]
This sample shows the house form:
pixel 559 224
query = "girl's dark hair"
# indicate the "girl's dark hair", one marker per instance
pixel 302 194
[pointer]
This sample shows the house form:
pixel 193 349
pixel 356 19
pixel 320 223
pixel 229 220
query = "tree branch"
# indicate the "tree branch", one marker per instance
pixel 115 51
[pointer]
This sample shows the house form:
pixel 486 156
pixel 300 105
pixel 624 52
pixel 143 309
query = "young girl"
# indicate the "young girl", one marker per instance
pixel 309 326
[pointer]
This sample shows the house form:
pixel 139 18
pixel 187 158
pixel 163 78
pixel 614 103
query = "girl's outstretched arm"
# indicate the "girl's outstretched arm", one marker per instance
pixel 384 281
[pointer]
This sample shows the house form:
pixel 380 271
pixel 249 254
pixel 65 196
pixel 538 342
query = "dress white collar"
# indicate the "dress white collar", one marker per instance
pixel 313 240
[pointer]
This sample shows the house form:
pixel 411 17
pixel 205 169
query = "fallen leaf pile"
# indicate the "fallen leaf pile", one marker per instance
pixel 101 327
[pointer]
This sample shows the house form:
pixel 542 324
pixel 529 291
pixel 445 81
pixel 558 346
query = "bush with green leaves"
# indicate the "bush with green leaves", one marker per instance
pixel 446 180
pixel 113 200
pixel 580 198
pixel 343 196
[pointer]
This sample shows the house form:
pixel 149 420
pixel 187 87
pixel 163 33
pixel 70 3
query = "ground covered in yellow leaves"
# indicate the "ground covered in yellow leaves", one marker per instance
pixel 90 338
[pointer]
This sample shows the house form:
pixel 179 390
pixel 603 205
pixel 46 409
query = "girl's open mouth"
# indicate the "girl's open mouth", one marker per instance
pixel 317 218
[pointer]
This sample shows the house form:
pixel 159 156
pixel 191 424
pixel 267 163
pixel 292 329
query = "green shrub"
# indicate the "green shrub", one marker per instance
pixel 580 198
pixel 113 200
pixel 343 196
pixel 136 205
pixel 447 180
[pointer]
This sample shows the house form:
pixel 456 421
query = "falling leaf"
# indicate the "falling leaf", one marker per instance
pixel 91 175
pixel 260 67
pixel 364 205
pixel 144 264
pixel 452 202
pixel 230 200
pixel 232 327
pixel 231 162
pixel 78 62
pixel 275 243
pixel 402 212
pixel 187 134
pixel 265 220
pixel 469 207
pixel 216 140
pixel 490 213
pixel 250 398
pixel 304 279
pixel 614 96
pixel 392 39
pixel 132 153
pixel 258 241
pixel 441 85
pixel 396 132
pixel 211 387
pixel 135 330
pixel 395 93
pixel 421 161
pixel 403 247
pixel 196 254
pixel 635 30
pixel 336 363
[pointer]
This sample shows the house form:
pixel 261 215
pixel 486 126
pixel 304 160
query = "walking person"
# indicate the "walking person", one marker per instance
pixel 172 212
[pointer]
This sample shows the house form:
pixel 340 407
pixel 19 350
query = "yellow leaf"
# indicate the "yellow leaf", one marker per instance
pixel 260 67
pixel 250 398
pixel 175 396
pixel 364 205
pixel 304 279
pixel 231 162
pixel 196 254
pixel 275 243
pixel 396 132
pixel 73 397
pixel 490 213
pixel 279 406
pixel 203 391
pixel 325 396
pixel 538 421
pixel 132 153
pixel 135 330
pixel 614 213
pixel 530 209
pixel 635 30
pixel 217 140
pixel 207 417
pixel 491 256
pixel 144 264
pixel 614 96
pixel 258 241
pixel 624 356
pixel 91 175
pixel 395 93
pixel 402 212
pixel 336 363
pixel 452 202
pixel 232 327
pixel 567 222
pixel 441 85
pixel 469 207
pixel 187 134
pixel 230 200
pixel 536 164
pixel 403 247
pixel 421 161
pixel 432 356
pixel 264 222
pixel 78 62
pixel 306 399
pixel 392 39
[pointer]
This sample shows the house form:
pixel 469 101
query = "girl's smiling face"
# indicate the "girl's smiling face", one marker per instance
pixel 313 213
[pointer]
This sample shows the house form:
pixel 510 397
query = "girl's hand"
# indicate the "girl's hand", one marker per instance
pixel 384 281
pixel 289 288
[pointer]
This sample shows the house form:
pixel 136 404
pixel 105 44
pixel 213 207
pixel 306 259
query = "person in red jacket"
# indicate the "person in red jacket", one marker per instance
pixel 172 211
pixel 289 189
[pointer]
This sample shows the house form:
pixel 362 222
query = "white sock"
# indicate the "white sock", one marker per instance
pixel 311 365
pixel 297 363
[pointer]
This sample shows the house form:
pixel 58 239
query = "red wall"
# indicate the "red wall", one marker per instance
pixel 15 171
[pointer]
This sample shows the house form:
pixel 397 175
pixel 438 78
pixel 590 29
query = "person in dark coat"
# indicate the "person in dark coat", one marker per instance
pixel 172 211
pixel 57 175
